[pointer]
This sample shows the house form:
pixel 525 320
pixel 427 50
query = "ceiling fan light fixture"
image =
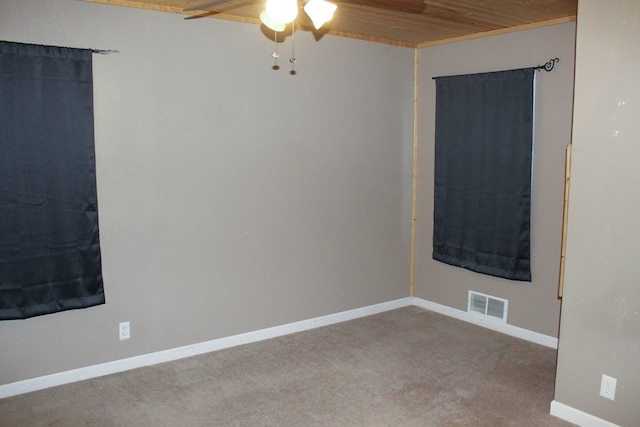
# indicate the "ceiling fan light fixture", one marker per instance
pixel 320 11
pixel 282 11
pixel 271 23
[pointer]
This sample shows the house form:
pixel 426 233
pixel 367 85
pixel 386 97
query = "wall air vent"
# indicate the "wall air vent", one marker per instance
pixel 486 305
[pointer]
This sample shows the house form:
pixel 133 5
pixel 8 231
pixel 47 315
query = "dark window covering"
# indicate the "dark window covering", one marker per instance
pixel 483 158
pixel 49 243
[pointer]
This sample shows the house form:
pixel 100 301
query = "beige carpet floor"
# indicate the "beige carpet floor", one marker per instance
pixel 406 367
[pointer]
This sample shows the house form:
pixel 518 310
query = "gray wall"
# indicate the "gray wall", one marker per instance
pixel 600 326
pixel 533 306
pixel 231 197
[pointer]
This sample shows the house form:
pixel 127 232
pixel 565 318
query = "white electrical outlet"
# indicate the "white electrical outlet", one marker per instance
pixel 608 387
pixel 125 331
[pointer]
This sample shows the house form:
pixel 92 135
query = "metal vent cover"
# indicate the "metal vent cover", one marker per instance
pixel 486 305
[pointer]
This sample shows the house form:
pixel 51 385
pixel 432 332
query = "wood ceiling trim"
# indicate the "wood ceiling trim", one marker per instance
pixel 173 9
pixel 372 39
pixel 505 13
pixel 499 31
pixel 139 5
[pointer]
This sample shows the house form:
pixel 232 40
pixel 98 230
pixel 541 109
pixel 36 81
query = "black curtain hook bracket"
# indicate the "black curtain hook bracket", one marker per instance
pixel 548 66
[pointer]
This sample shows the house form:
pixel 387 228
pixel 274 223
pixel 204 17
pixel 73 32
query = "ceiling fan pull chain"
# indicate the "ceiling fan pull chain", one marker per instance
pixel 293 49
pixel 275 55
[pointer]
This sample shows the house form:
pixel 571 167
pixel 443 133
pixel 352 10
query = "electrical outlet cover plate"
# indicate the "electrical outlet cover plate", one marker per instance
pixel 608 387
pixel 125 331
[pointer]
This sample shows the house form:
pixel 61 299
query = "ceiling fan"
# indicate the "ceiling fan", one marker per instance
pixel 277 13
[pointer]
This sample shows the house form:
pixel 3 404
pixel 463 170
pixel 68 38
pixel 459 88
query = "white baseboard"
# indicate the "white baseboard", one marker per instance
pixel 60 378
pixel 505 328
pixel 576 416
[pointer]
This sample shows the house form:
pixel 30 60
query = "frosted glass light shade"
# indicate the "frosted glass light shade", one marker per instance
pixel 320 11
pixel 282 11
pixel 271 23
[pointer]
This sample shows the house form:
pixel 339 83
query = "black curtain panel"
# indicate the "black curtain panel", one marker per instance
pixel 49 243
pixel 483 158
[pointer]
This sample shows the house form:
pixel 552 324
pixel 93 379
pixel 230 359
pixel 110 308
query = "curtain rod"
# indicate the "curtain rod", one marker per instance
pixel 548 66
pixel 104 51
pixel 98 51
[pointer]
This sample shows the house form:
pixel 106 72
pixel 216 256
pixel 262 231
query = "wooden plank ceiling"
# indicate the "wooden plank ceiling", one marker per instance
pixel 410 23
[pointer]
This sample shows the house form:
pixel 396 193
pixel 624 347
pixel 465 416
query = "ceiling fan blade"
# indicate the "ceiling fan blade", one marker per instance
pixel 414 2
pixel 206 6
pixel 406 6
pixel 202 15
